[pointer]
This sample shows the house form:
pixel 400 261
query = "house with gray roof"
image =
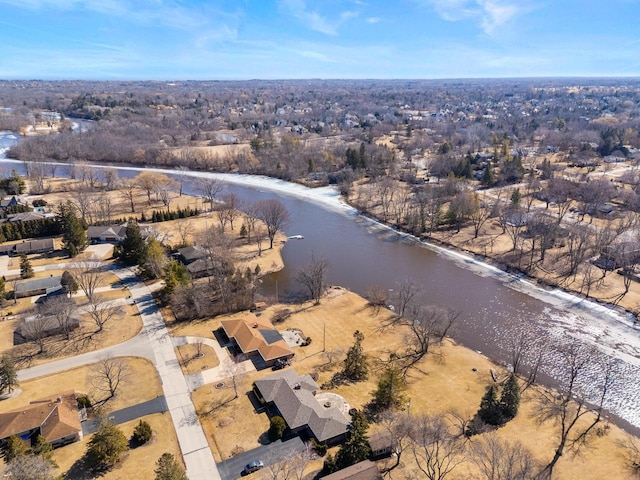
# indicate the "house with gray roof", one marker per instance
pixel 39 286
pixel 295 399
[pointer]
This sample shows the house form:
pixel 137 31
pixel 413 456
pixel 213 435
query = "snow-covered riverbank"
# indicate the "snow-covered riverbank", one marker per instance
pixel 568 315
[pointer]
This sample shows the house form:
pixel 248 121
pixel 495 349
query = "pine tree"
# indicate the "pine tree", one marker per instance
pixel 390 393
pixel 106 446
pixel 510 398
pixel 69 283
pixel 168 468
pixel 74 237
pixel 8 375
pixel 13 448
pixel 490 411
pixel 132 250
pixel 26 270
pixel 355 365
pixel 356 448
pixel 43 449
pixel 142 433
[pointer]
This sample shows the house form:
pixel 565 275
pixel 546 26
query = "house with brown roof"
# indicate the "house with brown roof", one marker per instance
pixel 257 338
pixel 365 470
pixel 297 400
pixel 57 420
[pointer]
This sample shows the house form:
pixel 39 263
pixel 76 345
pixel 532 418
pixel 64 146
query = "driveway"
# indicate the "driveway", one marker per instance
pixel 269 455
pixel 156 405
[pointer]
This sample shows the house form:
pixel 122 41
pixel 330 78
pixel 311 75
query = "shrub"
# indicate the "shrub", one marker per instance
pixel 280 315
pixel 276 428
pixel 83 402
pixel 319 448
pixel 307 341
pixel 142 433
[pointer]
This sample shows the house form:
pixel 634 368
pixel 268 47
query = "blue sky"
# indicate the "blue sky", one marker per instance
pixel 275 39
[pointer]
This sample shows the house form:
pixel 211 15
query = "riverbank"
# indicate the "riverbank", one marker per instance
pixel 493 310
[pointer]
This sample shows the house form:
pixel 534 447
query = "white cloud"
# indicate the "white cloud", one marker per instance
pixel 373 20
pixel 313 20
pixel 490 14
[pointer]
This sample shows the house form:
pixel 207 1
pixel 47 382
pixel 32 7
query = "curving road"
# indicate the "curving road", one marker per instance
pixel 155 344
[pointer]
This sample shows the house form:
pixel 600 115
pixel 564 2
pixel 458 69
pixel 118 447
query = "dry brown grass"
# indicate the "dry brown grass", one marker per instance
pixel 138 463
pixel 192 364
pixel 452 378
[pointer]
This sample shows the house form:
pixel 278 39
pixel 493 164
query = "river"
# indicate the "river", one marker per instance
pixel 492 304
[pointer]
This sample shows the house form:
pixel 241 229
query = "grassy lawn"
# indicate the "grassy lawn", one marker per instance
pixel 192 364
pixel 451 378
pixel 139 463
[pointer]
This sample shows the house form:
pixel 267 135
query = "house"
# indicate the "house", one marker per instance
pixel 26 217
pixel 44 245
pixel 39 286
pixel 365 470
pixel 188 255
pixel 43 326
pixel 8 202
pixel 57 420
pixel 298 400
pixel 381 445
pixel 257 338
pixel 107 234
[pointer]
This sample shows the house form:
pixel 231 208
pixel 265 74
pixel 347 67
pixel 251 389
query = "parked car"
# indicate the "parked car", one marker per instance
pixel 252 467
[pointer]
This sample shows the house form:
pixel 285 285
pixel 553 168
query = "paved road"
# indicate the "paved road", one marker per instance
pixel 154 343
pixel 269 455
pixel 156 405
pixel 193 443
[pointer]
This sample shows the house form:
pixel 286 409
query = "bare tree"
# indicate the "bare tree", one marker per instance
pixel 63 309
pixel 83 199
pixel 275 217
pixel 108 375
pixel 585 382
pixel 164 187
pixel 102 312
pixel 428 325
pixel 526 351
pixel 185 229
pixel 231 207
pixel 210 188
pixel 399 425
pixel 30 467
pixel 88 275
pixel 313 277
pixel 129 187
pixel 404 294
pixel 436 450
pixel 501 460
pixel 36 329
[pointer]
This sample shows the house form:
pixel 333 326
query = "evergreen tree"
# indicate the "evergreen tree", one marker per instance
pixel 106 446
pixel 488 178
pixel 277 426
pixel 132 250
pixel 142 433
pixel 26 270
pixel 510 398
pixel 3 289
pixel 356 448
pixel 390 393
pixel 355 365
pixel 74 236
pixel 168 468
pixel 43 449
pixel 490 411
pixel 175 274
pixel 69 283
pixel 8 375
pixel 13 448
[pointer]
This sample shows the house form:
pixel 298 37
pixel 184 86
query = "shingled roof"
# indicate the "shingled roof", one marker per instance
pixel 56 418
pixel 295 398
pixel 257 335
